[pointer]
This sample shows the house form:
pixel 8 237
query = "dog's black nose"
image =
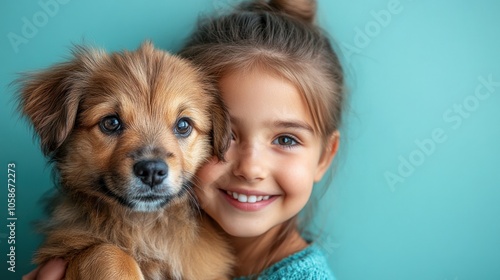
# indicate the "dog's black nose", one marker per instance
pixel 151 172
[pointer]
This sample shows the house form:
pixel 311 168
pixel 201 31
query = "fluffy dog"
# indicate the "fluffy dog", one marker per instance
pixel 126 132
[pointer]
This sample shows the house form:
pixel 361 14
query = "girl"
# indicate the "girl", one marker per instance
pixel 283 86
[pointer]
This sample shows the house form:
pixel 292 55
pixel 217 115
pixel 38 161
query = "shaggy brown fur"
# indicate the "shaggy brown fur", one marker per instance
pixel 126 133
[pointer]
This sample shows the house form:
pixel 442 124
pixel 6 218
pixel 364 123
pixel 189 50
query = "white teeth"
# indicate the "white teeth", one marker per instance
pixel 247 198
pixel 242 198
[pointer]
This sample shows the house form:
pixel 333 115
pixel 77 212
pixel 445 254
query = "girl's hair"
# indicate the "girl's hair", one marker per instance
pixel 279 36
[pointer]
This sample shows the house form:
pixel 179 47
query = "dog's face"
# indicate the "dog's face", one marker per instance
pixel 129 128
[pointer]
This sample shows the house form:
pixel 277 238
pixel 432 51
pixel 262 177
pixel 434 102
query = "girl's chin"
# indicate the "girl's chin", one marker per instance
pixel 244 229
pixel 243 232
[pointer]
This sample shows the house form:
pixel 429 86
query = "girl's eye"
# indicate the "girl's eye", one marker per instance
pixel 110 125
pixel 287 141
pixel 183 128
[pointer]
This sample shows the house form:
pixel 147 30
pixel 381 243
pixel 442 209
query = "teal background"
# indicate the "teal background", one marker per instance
pixel 411 66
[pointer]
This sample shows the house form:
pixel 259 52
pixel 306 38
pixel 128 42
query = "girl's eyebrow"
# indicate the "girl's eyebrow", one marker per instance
pixel 292 123
pixel 295 124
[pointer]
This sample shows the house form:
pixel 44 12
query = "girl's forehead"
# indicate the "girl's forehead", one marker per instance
pixel 262 95
pixel 258 86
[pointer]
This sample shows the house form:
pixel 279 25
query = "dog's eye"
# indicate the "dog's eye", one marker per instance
pixel 183 127
pixel 110 125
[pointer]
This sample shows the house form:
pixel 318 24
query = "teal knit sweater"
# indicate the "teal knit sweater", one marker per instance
pixel 309 263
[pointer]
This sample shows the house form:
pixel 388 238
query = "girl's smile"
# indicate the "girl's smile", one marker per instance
pixel 249 201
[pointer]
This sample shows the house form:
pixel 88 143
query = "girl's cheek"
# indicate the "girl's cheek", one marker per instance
pixel 210 172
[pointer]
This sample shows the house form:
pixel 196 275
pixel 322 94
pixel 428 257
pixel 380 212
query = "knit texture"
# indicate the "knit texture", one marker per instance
pixel 309 263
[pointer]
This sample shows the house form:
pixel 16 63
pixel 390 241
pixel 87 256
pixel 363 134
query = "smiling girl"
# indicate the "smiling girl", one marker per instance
pixel 283 86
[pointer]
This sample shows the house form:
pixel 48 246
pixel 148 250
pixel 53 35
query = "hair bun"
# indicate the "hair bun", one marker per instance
pixel 302 9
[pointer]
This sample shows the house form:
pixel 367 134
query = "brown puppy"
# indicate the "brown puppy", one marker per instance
pixel 126 133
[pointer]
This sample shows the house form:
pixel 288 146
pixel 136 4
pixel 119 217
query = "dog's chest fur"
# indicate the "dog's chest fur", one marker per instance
pixel 158 241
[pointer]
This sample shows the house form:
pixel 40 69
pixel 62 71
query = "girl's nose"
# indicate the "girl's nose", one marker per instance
pixel 249 163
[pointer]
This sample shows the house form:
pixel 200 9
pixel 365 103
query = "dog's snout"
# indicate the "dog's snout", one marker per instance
pixel 151 172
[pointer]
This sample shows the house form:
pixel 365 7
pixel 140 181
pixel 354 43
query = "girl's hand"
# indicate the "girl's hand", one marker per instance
pixel 52 270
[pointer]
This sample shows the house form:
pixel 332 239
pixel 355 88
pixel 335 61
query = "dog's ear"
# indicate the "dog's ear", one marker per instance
pixel 50 98
pixel 221 128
